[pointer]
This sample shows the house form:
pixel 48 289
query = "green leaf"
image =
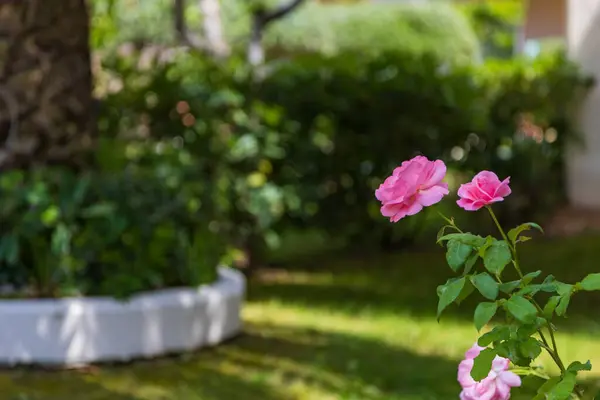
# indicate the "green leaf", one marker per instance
pixel 61 240
pixel 509 287
pixel 550 306
pixel 98 210
pixel 495 335
pixel 483 364
pixel 497 256
pixel 526 280
pixel 563 288
pixel 546 387
pixel 9 248
pixel 590 282
pixel 526 330
pixel 466 238
pixel 549 285
pixel 457 254
pixel 563 389
pixel 448 293
pixel 576 366
pixel 488 242
pixel 441 232
pixel 521 309
pixel 484 313
pixel 563 304
pixel 470 262
pixel 465 292
pixel 508 349
pixel 486 285
pixel 530 348
pixel 50 215
pixel 513 234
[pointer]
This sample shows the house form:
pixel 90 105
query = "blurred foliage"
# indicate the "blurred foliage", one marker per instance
pixel 373 28
pixel 208 112
pixel 496 24
pixel 197 156
pixel 313 159
pixel 359 118
pixel 99 233
pixel 323 28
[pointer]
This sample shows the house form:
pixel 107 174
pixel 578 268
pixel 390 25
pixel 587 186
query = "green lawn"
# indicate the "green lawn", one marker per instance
pixel 353 328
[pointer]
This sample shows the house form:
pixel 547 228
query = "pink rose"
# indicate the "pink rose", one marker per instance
pixel 484 189
pixel 496 386
pixel 415 184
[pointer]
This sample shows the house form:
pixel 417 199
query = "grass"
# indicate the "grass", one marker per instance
pixel 348 329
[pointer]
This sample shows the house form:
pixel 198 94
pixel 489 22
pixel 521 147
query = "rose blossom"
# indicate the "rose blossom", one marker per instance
pixel 484 189
pixel 417 183
pixel 496 386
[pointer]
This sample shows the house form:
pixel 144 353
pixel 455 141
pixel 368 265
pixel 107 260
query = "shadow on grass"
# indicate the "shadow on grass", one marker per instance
pixel 196 376
pixel 406 283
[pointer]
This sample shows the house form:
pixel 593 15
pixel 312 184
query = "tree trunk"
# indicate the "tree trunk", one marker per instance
pixel 45 82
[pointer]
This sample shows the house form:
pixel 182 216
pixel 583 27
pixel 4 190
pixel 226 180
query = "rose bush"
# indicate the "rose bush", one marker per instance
pixel 528 327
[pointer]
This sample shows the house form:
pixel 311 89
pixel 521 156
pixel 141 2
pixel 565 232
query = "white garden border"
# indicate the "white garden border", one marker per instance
pixel 76 331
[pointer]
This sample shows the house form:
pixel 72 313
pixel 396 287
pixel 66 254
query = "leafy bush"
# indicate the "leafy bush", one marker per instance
pixel 359 117
pixel 341 124
pixel 98 233
pixel 209 111
pixel 495 23
pixel 373 28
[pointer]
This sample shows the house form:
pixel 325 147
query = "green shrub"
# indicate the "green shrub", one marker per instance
pixel 101 233
pixel 308 145
pixel 373 28
pixel 495 23
pixel 359 118
pixel 208 110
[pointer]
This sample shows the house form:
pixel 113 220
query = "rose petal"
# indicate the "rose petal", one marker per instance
pixel 437 173
pixel 432 195
pixel 510 378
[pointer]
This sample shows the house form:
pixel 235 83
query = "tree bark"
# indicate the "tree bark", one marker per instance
pixel 45 82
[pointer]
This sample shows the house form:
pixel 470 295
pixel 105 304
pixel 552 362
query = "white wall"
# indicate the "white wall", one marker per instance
pixel 583 164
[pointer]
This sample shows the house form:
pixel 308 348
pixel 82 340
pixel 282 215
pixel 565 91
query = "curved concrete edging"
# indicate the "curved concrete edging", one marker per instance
pixel 75 331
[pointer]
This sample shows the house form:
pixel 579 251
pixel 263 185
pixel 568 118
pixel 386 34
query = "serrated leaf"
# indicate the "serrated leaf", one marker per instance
pixel 465 292
pixel 576 366
pixel 448 293
pixel 563 304
pixel 563 288
pixel 488 242
pixel 496 334
pixel 484 313
pixel 523 239
pixel 530 348
pixel 590 282
pixel 441 232
pixel 546 387
pixel 549 285
pixel 521 309
pixel 457 254
pixel 486 285
pixel 530 290
pixel 497 256
pixel 466 238
pixel 509 287
pixel 550 306
pixel 563 389
pixel 513 234
pixel 470 262
pixel 483 364
pixel 525 331
pixel 526 280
